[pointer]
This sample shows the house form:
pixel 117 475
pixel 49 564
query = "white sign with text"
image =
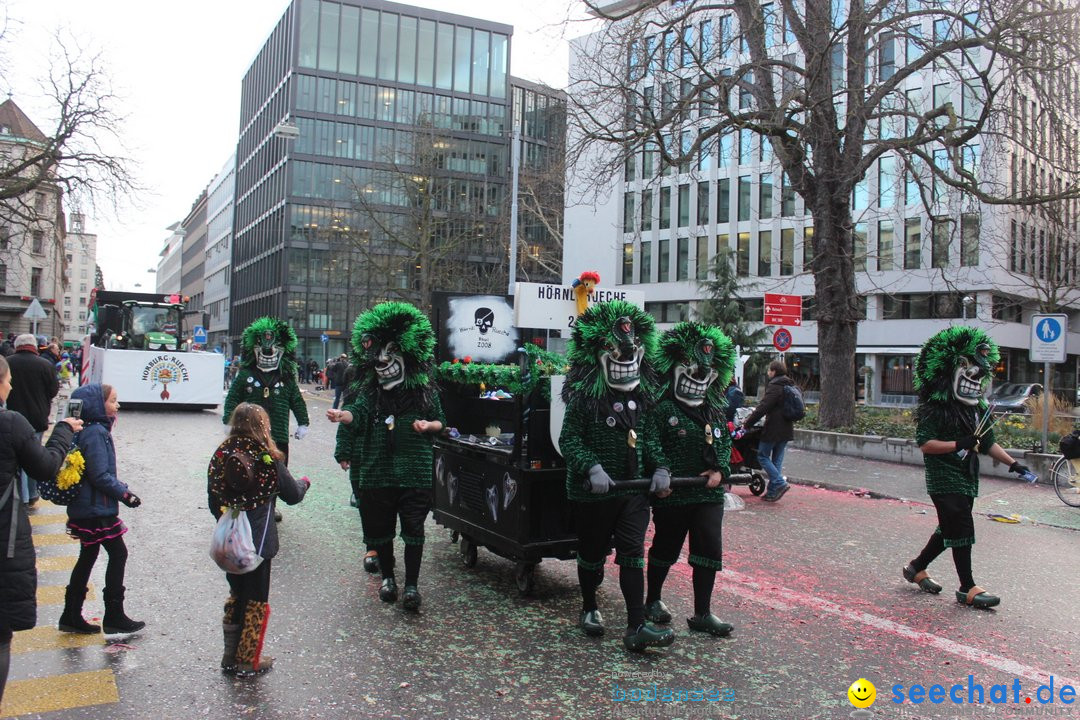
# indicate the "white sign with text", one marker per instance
pixel 554 307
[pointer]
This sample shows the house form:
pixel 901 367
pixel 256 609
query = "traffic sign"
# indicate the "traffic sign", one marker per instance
pixel 198 335
pixel 781 339
pixel 35 311
pixel 1048 338
pixel 783 309
pixel 325 338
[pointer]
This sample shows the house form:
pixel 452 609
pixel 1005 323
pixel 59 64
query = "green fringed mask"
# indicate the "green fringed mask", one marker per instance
pixel 696 361
pixel 393 345
pixel 956 364
pixel 611 350
pixel 268 345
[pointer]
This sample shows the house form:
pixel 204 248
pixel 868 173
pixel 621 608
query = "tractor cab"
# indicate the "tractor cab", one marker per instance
pixel 137 321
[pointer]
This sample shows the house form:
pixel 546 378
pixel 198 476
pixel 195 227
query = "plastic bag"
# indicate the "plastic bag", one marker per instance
pixel 733 503
pixel 232 547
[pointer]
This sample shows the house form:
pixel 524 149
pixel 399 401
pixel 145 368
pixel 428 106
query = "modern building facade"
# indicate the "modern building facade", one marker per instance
pixel 396 182
pixel 168 270
pixel 80 264
pixel 217 270
pixel 658 227
pixel 32 230
pixel 192 265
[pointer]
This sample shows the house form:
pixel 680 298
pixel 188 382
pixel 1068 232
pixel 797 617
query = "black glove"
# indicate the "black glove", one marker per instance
pixel 1017 468
pixel 131 500
pixel 967 443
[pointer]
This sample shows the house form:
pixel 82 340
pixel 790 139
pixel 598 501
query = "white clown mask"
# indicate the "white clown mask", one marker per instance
pixel 621 357
pixel 268 353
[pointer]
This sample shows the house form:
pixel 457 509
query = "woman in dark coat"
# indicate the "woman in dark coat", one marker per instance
pixel 778 432
pixel 21 450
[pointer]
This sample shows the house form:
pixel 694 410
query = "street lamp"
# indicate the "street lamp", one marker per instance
pixel 965 302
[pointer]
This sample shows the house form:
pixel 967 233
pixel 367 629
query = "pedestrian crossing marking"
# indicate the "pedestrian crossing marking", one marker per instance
pixel 53 539
pixel 48 519
pixel 60 692
pixel 54 595
pixel 57 562
pixel 49 638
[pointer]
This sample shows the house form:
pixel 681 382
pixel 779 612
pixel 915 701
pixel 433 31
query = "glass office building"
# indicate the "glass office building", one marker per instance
pixel 398 180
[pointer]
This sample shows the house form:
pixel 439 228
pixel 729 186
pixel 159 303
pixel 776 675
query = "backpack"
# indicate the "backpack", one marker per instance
pixel 793 408
pixel 1069 446
pixel 64 488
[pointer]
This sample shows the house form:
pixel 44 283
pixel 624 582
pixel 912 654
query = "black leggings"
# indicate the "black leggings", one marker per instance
pixel 380 510
pixel 114 571
pixel 249 587
pixel 621 521
pixel 956 530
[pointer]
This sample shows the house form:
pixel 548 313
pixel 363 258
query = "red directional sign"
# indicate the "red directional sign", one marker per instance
pixel 783 309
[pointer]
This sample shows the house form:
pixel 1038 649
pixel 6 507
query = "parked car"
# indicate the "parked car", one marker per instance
pixel 1012 397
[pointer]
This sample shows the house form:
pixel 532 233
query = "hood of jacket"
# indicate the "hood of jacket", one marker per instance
pixel 93 399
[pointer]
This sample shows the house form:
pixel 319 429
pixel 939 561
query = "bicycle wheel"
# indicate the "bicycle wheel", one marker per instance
pixel 1066 475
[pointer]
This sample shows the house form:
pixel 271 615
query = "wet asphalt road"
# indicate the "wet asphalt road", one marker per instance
pixel 812 584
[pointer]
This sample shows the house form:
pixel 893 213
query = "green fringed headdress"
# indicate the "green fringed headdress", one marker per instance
pixel 406 326
pixel 942 354
pixel 688 343
pixel 284 336
pixel 595 332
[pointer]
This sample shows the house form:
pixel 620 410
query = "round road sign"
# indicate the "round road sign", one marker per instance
pixel 781 339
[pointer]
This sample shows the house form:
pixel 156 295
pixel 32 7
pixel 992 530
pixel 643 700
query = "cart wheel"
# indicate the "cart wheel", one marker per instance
pixel 468 552
pixel 525 577
pixel 454 537
pixel 757 485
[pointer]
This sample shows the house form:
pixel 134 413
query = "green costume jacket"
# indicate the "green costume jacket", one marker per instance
pixel 587 439
pixel 949 473
pixel 277 399
pixel 382 456
pixel 683 445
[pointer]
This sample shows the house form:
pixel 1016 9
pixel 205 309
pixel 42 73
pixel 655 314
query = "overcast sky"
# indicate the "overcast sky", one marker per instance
pixel 177 67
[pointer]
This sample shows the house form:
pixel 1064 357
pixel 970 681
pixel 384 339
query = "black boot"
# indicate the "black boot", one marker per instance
pixel 231 631
pixel 71 620
pixel 115 621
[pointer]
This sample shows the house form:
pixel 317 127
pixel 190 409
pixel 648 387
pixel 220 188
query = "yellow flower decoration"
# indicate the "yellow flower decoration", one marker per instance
pixel 267 459
pixel 72 470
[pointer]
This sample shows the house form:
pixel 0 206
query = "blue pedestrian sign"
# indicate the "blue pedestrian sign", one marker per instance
pixel 198 335
pixel 1048 334
pixel 325 338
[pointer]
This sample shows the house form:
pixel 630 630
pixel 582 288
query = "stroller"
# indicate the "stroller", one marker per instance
pixel 745 468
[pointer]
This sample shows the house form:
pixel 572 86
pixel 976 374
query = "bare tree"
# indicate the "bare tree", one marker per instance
pixel 831 86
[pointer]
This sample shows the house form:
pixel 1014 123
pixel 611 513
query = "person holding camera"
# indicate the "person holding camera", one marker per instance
pixel 93 517
pixel 21 449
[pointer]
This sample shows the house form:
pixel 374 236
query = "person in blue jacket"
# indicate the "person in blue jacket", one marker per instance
pixel 93 517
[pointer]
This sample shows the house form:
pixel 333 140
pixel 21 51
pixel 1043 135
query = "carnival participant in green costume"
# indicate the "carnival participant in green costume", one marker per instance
pixel 952 375
pixel 267 378
pixel 385 437
pixel 696 363
pixel 606 440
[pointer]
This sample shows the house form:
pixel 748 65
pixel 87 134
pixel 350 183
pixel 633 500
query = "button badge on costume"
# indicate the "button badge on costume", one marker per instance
pixel 617 407
pixel 610 421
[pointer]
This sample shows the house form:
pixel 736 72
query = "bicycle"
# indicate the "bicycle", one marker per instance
pixel 1065 473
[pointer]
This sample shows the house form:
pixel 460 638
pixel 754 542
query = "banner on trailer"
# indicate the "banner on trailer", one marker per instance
pixel 152 376
pixel 479 327
pixel 553 307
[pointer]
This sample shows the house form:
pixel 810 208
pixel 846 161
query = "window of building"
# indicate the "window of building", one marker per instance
pixel 35 282
pixel 3 278
pixel 37 245
pixel 765 205
pixel 67 314
pixel 628 169
pixel 703 257
pixel 787 197
pixel 912 243
pixel 858 246
pixel 941 234
pixel 682 258
pixel 744 197
pixel 808 247
pixel 886 181
pixel 723 200
pixel 1007 309
pixel 969 239
pixel 663 260
pixel 82 314
pixel 646 262
pixel 628 264
pixel 885 245
pixel 648 154
pixel 628 212
pixel 787 251
pixel 764 267
pixel 886 55
pixel 39 201
pixel 67 301
pixel 742 255
pixel 665 207
pixel 703 203
pixel 684 205
pixel 860 198
pixel 746 147
pixel 646 210
pixel 82 287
